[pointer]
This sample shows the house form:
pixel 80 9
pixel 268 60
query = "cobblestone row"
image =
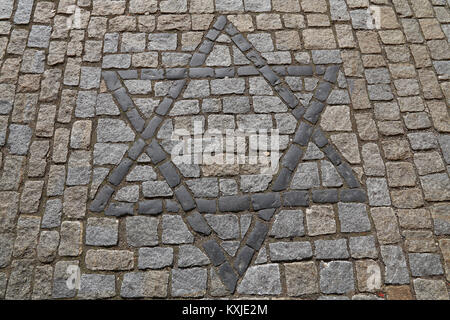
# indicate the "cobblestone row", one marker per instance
pixel 93 91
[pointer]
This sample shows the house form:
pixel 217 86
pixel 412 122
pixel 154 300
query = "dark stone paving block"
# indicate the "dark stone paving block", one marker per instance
pixel 258 235
pixel 123 99
pixel 220 23
pixel 118 209
pixel 176 73
pixel 296 199
pixel 332 154
pixel 206 47
pixel 353 195
pixel 266 214
pixel 320 69
pixel 425 264
pixel 170 174
pixel 331 74
pixel 152 74
pixel 247 71
pixel 198 224
pixel 214 252
pixel 266 201
pixel 152 127
pixel 150 207
pixel 206 206
pixel 224 72
pixel 198 59
pixel 164 106
pixel 212 34
pixel 136 150
pixel 241 42
pixel 347 173
pixel 201 72
pixel 185 198
pixel 270 75
pixel 120 171
pixel 231 29
pixel 172 206
pixel 256 58
pixel 283 180
pixel 111 80
pixel 331 249
pixel 102 198
pixel 300 70
pixel 298 112
pixel 286 94
pixel 228 276
pixel 303 134
pixel 136 120
pixel 176 88
pixel 319 138
pixel 128 74
pixel 292 157
pixel 323 91
pixel 243 259
pixel 325 196
pixel 155 152
pixel 313 112
pixel 279 70
pixel 234 203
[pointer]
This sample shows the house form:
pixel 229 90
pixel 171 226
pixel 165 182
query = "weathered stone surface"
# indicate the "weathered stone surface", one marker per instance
pixel 396 271
pixel 425 264
pixel 288 223
pixel 331 249
pixel 26 237
pixel 42 287
pixel 71 237
pixel 386 225
pixel 191 256
pixel 155 258
pixel 430 289
pixel 336 277
pixel 109 260
pixel 102 232
pixel 189 282
pixel 20 280
pixel 301 278
pixel 363 247
pixel 368 274
pixel 226 226
pixel 399 293
pixel 285 251
pixel 320 220
pixel 151 284
pixel 261 280
pixel 175 231
pixel 48 246
pixel 436 187
pixel 353 217
pixel 142 231
pixel 97 286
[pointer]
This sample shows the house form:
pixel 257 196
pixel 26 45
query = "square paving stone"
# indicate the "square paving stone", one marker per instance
pixel 142 231
pixel 353 217
pixel 337 277
pixel 189 282
pixel 102 232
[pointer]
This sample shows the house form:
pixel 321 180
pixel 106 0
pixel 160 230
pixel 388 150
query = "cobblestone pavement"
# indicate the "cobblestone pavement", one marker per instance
pixel 93 206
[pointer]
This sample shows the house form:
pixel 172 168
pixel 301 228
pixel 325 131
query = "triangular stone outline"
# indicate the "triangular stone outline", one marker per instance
pixel 252 242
